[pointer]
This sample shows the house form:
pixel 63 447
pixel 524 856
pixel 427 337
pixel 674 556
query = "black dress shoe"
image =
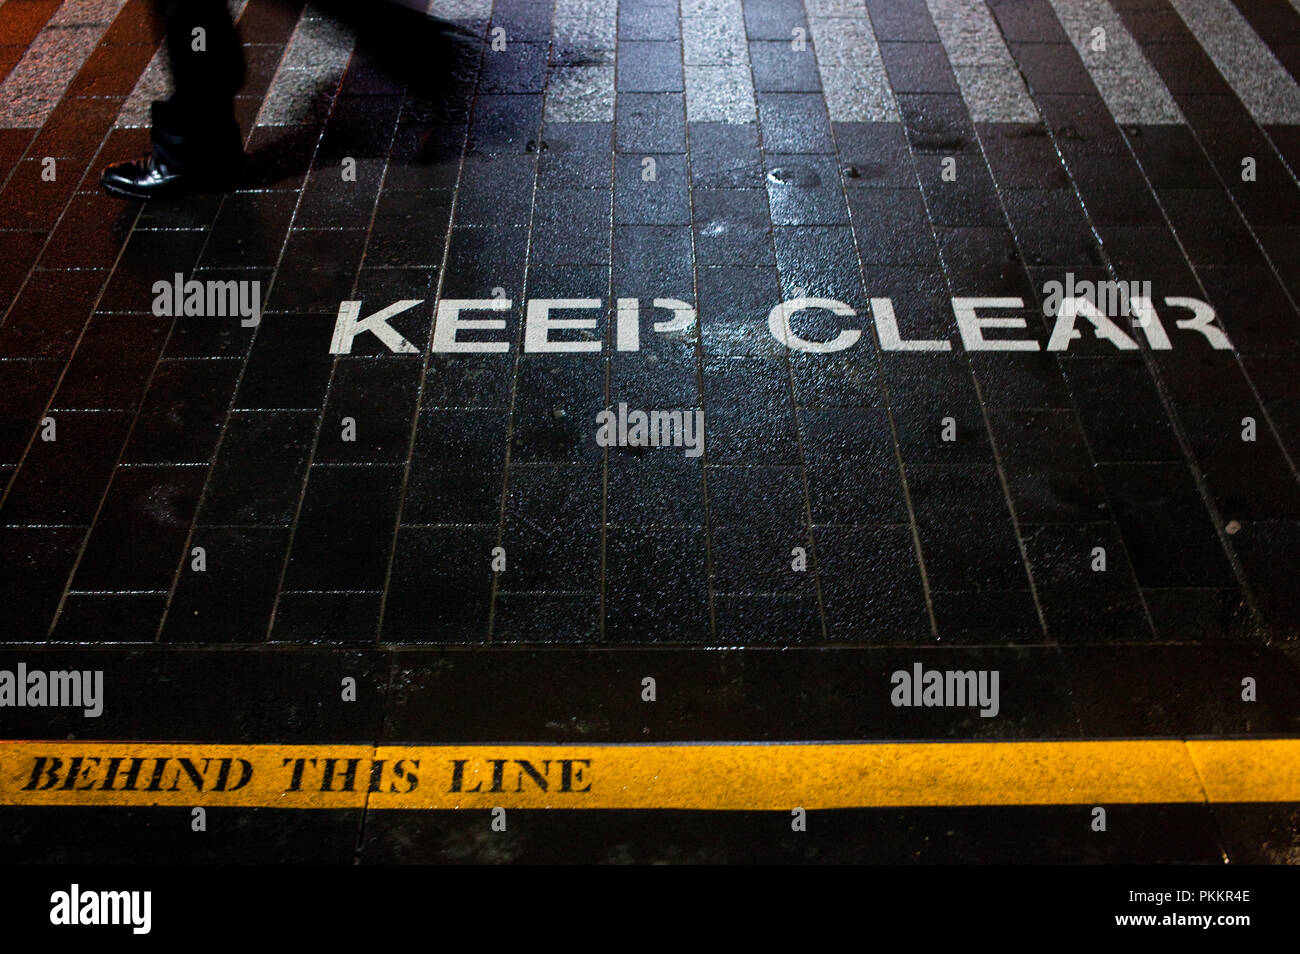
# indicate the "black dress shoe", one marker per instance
pixel 149 178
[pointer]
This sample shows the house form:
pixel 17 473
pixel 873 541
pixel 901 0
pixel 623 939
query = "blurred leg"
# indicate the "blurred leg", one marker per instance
pixel 195 127
pixel 196 142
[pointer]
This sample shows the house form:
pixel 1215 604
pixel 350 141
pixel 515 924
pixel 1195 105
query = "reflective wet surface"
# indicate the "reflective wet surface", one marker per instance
pixel 1106 504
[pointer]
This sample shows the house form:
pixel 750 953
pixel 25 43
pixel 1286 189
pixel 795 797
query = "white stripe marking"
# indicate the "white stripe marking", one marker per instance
pixel 853 75
pixel 988 77
pixel 1130 86
pixel 719 84
pixel 309 72
pixel 34 87
pixel 1254 73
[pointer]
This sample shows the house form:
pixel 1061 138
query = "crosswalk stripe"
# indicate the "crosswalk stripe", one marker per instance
pixel 852 71
pixel 464 11
pixel 316 58
pixel 154 83
pixel 582 93
pixel 1261 83
pixel 715 47
pixel 576 94
pixel 1278 24
pixel 16 29
pixel 718 81
pixel 987 75
pixel 1129 85
pixel 34 87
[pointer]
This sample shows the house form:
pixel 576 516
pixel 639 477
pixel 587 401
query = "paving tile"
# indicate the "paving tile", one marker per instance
pixel 735 304
pixel 1137 430
pixel 653 192
pixel 283 342
pixel 249 231
pixel 259 471
pixel 719 94
pixel 732 227
pixel 493 190
pixel 480 260
pixel 29 385
pixel 48 315
pixel 572 227
pixel 794 123
pixel 504 122
pixel 1084 583
pixel 649 259
pixel 455 456
pixel 61 480
pixel 725 156
pixel 340 506
pixel 971 546
pixel 650 66
pixel 805 190
pixel 647 21
pixel 117 618
pixel 441 585
pixel 105 374
pixel 367 417
pixel 918 68
pixel 229 595
pixel 643 490
pixel 37 562
pixel 1048 469
pixel 650 123
pixel 871 583
pixel 778 68
pixel 772 19
pixel 874 154
pixel 338 616
pixel 1142 495
pixel 182 413
pixel 140 530
pixel 410 229
pixel 662 599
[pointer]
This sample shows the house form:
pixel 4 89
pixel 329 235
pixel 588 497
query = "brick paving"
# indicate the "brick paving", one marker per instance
pixel 724 154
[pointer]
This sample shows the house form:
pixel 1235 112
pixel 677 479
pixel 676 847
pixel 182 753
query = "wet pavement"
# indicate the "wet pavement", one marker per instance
pixel 1030 405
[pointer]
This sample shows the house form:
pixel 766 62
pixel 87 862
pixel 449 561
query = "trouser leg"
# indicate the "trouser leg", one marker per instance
pixel 196 127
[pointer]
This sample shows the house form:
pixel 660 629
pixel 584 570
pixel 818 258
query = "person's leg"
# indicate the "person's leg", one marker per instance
pixel 196 139
pixel 196 125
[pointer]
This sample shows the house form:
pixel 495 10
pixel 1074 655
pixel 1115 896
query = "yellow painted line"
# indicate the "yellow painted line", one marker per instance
pixel 686 776
pixel 1269 768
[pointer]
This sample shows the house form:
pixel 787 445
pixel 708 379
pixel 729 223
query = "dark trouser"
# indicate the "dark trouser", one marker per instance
pixel 195 127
